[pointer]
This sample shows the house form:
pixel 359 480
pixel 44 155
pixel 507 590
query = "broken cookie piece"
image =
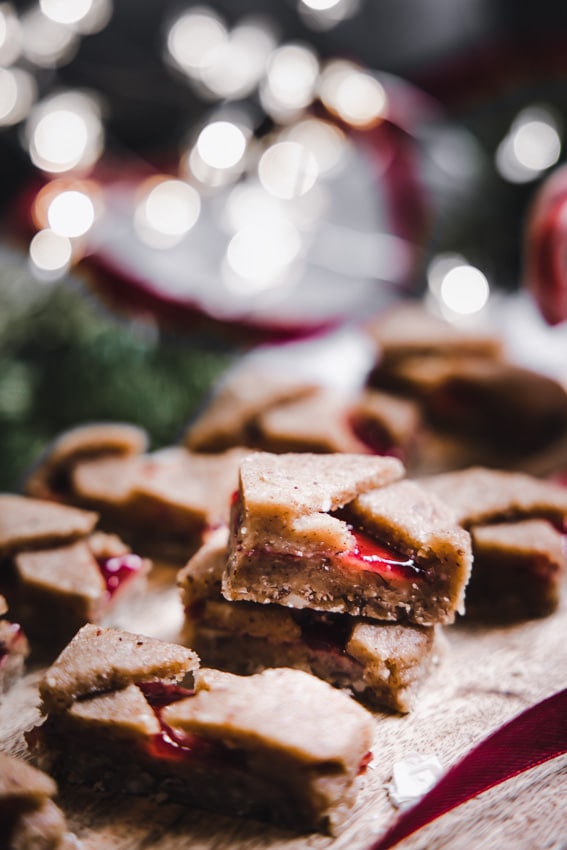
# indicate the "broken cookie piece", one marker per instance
pixel 29 817
pixel 280 746
pixel 58 572
pixel 517 526
pixel 382 664
pixel 334 533
pixel 14 649
pixel 49 478
pixel 466 388
pixel 162 502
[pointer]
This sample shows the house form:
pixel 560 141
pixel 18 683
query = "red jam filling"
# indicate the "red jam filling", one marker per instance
pixel 380 558
pixel 118 569
pixel 373 436
pixel 181 746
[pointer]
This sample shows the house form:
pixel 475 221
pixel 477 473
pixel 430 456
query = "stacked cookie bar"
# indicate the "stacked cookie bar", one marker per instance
pixel 160 502
pixel 335 563
pixel 517 524
pixel 137 715
pixel 57 571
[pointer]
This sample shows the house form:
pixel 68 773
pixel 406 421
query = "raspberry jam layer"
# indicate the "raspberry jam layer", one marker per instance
pixel 376 557
pixel 373 436
pixel 174 745
pixel 118 569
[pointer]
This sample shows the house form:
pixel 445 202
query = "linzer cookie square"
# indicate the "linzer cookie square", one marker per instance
pixel 381 664
pixel 279 746
pixel 229 418
pixel 58 572
pixel 517 526
pixel 331 532
pixel 50 477
pixel 30 819
pixel 162 503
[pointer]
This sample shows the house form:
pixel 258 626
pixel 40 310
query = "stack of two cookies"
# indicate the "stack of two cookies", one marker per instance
pixel 333 563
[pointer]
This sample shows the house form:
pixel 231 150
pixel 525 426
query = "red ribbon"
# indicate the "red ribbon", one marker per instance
pixel 531 738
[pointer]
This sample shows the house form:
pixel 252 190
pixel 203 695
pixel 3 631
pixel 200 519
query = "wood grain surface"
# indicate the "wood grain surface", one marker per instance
pixel 487 677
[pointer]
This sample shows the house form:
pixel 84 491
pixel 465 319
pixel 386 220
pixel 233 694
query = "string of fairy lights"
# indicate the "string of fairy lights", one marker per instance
pixel 269 189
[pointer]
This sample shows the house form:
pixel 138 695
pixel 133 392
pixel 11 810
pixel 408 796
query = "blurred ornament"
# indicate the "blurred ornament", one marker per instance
pixel 545 262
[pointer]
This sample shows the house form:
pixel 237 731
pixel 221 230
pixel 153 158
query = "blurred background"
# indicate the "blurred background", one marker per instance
pixel 181 182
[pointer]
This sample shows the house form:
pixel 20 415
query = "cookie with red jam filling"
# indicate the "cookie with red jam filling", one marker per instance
pixel 279 746
pixel 382 664
pixel 341 533
pixel 14 649
pixel 58 572
pixel 30 819
pixel 161 503
pixel 517 526
pixel 276 413
pixel 466 387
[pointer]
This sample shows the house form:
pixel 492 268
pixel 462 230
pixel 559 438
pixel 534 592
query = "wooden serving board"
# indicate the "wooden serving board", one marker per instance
pixel 488 676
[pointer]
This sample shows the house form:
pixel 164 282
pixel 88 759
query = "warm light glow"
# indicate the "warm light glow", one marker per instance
pixel 71 213
pixel 166 212
pixel 50 254
pixel 320 5
pixel 192 37
pixel 439 267
pixel 464 290
pixel 65 132
pixel 354 95
pixel 287 170
pixel 325 141
pixel 221 145
pixel 532 145
pixel 290 79
pixel 261 256
pixel 537 145
pixel 65 11
pixel 237 64
pixel 45 42
pixel 59 140
pixel 17 94
pixel 10 35
pixel 325 14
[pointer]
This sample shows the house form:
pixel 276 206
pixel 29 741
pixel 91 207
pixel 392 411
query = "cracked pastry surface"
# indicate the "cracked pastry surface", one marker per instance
pixel 280 745
pixel 382 664
pixel 341 533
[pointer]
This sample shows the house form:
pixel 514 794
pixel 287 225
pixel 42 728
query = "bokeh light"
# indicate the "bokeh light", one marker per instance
pixel 192 37
pixel 287 170
pixel 45 42
pixel 66 11
pixel 325 14
pixel 10 35
pixel 218 156
pixel 532 145
pixel 18 91
pixel 71 213
pixel 166 211
pixel 290 80
pixel 352 94
pixel 464 290
pixel 50 254
pixel 326 142
pixel 65 132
